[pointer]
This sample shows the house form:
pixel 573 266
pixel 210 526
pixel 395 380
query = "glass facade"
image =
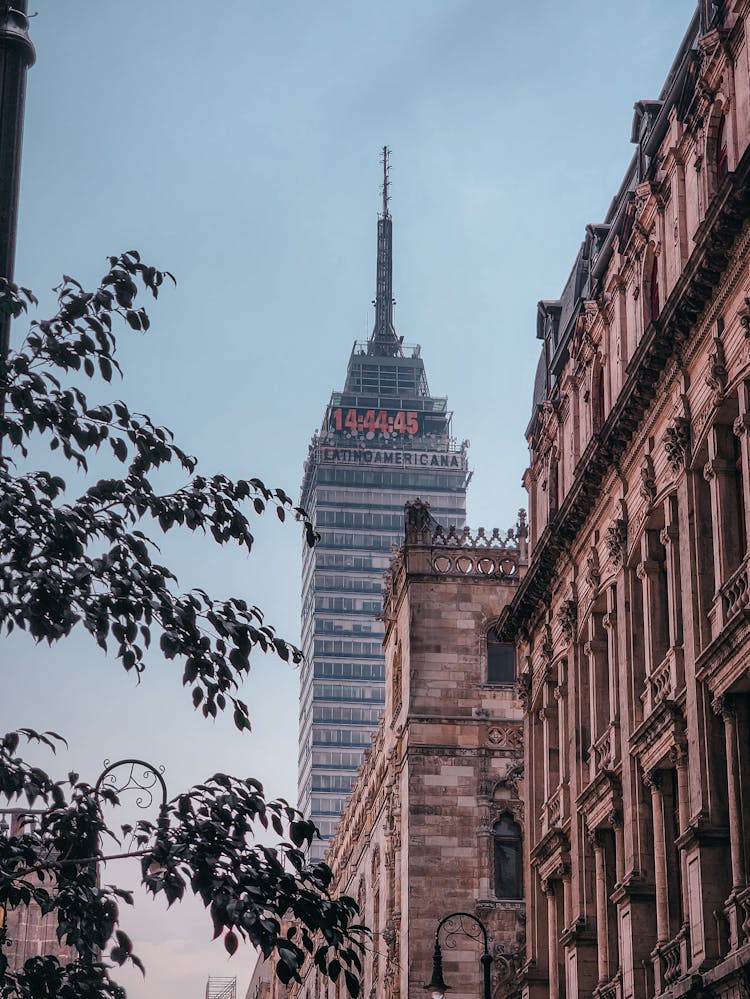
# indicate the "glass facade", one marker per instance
pixel 384 441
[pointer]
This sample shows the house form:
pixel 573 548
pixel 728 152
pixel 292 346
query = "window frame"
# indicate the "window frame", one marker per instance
pixel 514 839
pixel 496 643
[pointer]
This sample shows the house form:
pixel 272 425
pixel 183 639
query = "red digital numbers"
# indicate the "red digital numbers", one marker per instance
pixel 375 421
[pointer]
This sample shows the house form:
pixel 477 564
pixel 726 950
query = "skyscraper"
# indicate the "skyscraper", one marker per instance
pixel 384 440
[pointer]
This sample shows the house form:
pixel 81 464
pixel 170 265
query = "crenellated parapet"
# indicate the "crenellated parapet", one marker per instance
pixel 431 550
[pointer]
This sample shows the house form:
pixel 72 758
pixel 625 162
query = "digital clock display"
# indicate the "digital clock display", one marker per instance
pixel 384 421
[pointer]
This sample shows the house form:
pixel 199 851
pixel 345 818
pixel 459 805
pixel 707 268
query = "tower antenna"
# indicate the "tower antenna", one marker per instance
pixel 384 340
pixel 386 171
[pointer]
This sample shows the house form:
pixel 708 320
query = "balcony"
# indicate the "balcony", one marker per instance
pixel 737 913
pixel 664 683
pixel 735 593
pixel 552 810
pixel 670 961
pixel 610 990
pixel 605 753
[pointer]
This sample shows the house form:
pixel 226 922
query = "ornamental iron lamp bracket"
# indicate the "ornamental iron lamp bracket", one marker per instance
pixel 466 924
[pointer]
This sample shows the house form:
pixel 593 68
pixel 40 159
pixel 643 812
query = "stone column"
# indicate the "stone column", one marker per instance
pixel 654 612
pixel 548 888
pixel 596 649
pixel 725 707
pixel 653 781
pixel 602 930
pixel 609 620
pixel 720 474
pixel 741 426
pixel 550 731
pixel 670 538
pixel 615 819
pixel 679 756
pixel 562 740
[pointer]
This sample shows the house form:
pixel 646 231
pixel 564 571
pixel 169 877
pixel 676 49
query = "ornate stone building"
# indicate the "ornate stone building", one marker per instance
pixel 434 823
pixel 633 621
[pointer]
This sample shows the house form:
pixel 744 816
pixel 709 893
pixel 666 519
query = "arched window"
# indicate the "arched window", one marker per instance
pixel 507 858
pixel 653 290
pixel 722 158
pixel 501 659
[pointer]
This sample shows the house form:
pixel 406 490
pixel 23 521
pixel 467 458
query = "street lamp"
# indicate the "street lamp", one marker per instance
pixel 139 776
pixel 475 930
pixel 16 55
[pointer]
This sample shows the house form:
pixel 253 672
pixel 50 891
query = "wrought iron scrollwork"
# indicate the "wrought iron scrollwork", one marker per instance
pixel 135 775
pixel 461 924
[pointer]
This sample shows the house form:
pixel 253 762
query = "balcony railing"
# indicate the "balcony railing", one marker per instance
pixel 605 753
pixel 611 990
pixel 670 961
pixel 735 593
pixel 665 681
pixel 737 916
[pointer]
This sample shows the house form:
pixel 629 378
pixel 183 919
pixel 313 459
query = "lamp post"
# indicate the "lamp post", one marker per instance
pixel 16 55
pixel 475 930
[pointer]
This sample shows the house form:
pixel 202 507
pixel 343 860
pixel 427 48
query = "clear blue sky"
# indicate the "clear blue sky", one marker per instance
pixel 237 145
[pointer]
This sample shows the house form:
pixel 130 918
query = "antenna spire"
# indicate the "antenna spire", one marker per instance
pixel 384 340
pixel 386 171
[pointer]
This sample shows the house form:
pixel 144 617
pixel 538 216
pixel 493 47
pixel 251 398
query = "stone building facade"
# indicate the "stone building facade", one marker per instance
pixel 30 933
pixel 632 622
pixel 435 822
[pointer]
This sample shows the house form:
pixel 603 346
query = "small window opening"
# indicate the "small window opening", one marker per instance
pixel 507 857
pixel 501 659
pixel 598 398
pixel 722 157
pixel 653 297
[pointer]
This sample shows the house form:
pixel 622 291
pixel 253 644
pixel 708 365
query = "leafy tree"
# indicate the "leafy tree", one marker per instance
pixel 89 561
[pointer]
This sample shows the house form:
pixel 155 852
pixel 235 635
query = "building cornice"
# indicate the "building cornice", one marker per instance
pixel 691 294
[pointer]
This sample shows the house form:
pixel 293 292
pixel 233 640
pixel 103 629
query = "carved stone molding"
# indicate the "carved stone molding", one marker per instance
pixel 668 535
pixel 678 755
pixel 547 650
pixel 652 779
pixel 744 317
pixel 677 442
pixel 523 687
pixel 717 375
pixel 593 569
pixel 648 479
pixel 614 818
pixel 568 618
pixel 724 706
pixel 615 539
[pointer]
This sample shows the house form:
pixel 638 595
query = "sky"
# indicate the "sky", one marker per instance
pixel 237 144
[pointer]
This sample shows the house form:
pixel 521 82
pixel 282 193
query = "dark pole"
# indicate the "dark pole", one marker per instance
pixel 16 55
pixel 486 960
